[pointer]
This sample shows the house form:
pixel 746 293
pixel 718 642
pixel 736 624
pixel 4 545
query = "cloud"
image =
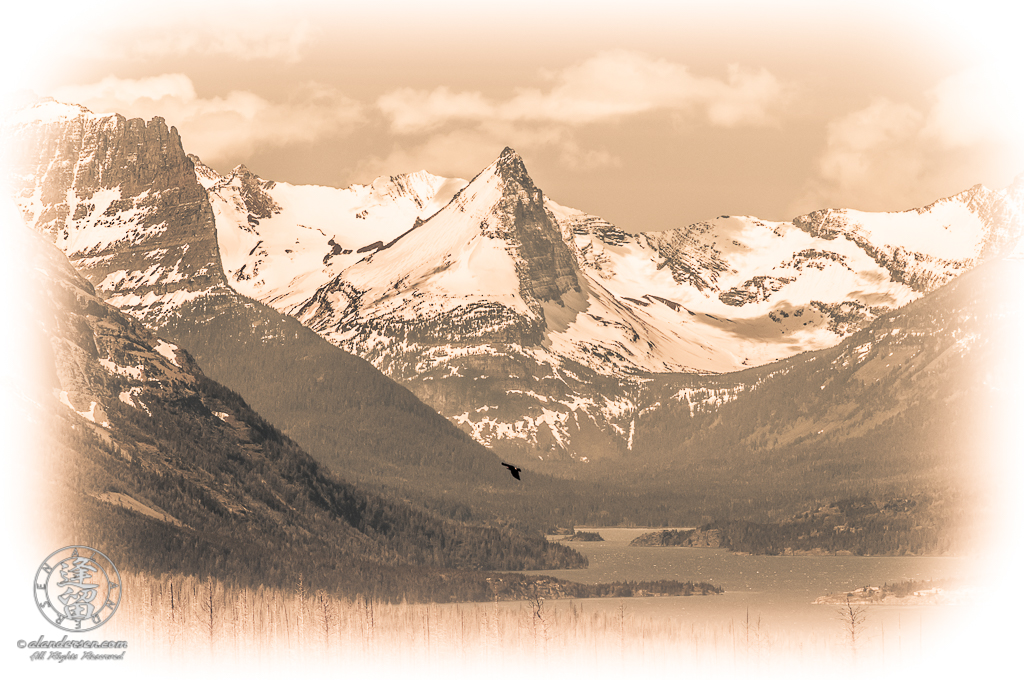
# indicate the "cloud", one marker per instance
pixel 412 111
pixel 608 86
pixel 464 151
pixel 892 155
pixel 605 88
pixel 221 128
pixel 976 106
pixel 874 149
pixel 232 37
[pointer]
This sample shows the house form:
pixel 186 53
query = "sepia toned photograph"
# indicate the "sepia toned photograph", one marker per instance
pixel 514 339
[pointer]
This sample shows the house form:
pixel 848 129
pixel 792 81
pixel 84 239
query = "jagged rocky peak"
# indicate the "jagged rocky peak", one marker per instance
pixel 206 175
pixel 120 198
pixel 512 208
pixel 63 146
pixel 511 168
pixel 254 191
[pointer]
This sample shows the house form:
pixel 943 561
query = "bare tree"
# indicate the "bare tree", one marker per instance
pixel 853 620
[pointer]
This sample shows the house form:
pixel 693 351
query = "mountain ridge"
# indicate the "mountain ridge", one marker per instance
pixel 536 327
pixel 228 332
pixel 145 455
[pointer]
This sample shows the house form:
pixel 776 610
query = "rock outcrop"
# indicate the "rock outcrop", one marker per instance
pixel 121 199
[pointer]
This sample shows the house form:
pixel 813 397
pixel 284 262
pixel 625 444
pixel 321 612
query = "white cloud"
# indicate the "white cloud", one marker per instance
pixel 893 155
pixel 608 86
pixel 605 88
pixel 464 151
pixel 871 145
pixel 977 106
pixel 232 37
pixel 413 111
pixel 221 128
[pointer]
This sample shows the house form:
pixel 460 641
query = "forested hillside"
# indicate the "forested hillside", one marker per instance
pixel 904 406
pixel 144 457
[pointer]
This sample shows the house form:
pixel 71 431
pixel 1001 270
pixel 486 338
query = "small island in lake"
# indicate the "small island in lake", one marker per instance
pixel 585 536
pixel 902 593
pixel 919 525
pixel 688 538
pixel 513 586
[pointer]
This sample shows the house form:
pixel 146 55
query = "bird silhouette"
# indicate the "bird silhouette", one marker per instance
pixel 514 470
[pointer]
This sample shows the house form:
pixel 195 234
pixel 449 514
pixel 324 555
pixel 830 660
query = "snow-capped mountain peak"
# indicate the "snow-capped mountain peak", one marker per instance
pixel 493 244
pixel 528 323
pixel 49 110
pixel 206 175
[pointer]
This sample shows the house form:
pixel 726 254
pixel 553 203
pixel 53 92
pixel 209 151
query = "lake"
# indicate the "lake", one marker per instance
pixel 782 586
pixel 769 598
pixel 764 625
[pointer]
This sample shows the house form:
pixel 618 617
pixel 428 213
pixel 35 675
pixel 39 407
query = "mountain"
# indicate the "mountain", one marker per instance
pixel 120 198
pixel 279 249
pixel 540 330
pixel 336 406
pixel 144 457
pixel 919 402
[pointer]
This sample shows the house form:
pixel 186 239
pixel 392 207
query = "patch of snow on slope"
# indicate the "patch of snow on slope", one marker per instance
pixel 135 372
pixel 95 413
pixel 131 397
pixel 167 350
pixel 945 229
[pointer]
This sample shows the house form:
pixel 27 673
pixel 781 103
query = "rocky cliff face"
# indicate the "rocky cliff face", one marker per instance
pixel 545 266
pixel 121 199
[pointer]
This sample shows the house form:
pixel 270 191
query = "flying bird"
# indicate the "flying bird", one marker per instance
pixel 514 470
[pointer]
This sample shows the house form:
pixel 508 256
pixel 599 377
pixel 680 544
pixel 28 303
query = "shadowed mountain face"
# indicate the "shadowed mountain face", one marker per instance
pixel 920 401
pixel 161 265
pixel 147 458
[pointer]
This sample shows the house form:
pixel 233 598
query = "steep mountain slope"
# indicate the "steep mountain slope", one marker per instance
pixel 338 407
pixel 148 458
pixel 917 402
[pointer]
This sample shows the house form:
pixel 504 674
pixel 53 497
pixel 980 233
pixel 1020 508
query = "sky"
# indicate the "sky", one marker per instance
pixel 652 115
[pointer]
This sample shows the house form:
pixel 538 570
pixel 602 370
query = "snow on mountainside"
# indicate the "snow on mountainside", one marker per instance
pixel 757 291
pixel 120 198
pixel 528 305
pixel 534 326
pixel 491 249
pixel 279 242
